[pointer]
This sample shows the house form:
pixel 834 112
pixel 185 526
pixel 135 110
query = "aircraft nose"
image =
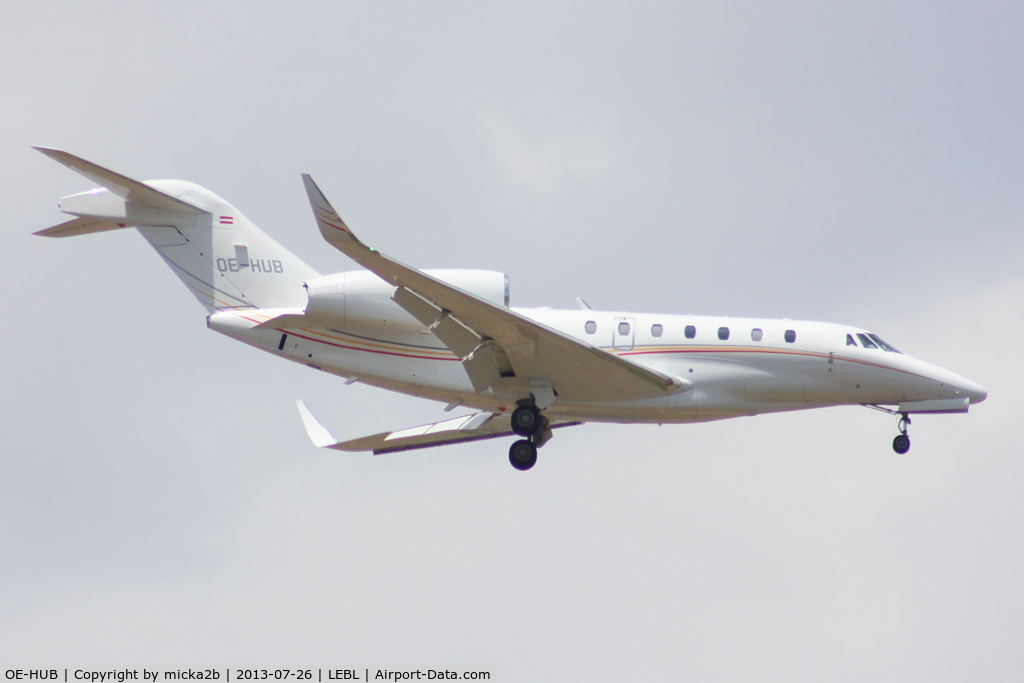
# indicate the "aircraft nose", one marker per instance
pixel 975 392
pixel 972 390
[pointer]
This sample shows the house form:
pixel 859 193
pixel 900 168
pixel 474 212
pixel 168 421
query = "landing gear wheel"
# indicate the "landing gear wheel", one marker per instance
pixel 526 420
pixel 901 444
pixel 522 455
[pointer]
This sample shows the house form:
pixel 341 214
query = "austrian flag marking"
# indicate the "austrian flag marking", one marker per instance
pixel 227 220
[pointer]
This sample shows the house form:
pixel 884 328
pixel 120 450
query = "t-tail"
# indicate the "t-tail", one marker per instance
pixel 219 254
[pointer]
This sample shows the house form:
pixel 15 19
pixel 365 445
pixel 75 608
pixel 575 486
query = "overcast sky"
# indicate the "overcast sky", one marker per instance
pixel 160 504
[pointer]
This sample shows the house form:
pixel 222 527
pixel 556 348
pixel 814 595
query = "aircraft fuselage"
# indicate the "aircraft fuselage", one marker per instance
pixel 752 370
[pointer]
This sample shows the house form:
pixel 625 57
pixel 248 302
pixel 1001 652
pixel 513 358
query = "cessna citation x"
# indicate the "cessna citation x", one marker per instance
pixel 450 335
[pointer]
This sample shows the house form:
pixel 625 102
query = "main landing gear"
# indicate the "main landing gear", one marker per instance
pixel 522 455
pixel 527 421
pixel 901 444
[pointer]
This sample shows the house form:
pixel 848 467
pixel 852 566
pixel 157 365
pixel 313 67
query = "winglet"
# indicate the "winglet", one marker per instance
pixel 318 434
pixel 331 226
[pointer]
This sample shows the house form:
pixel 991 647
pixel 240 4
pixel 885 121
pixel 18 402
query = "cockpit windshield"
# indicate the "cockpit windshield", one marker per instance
pixel 865 342
pixel 872 341
pixel 884 345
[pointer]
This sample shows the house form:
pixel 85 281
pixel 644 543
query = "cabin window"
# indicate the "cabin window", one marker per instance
pixel 790 336
pixel 865 342
pixel 757 334
pixel 690 331
pixel 723 333
pixel 590 327
pixel 885 347
pixel 623 329
pixel 850 341
pixel 657 330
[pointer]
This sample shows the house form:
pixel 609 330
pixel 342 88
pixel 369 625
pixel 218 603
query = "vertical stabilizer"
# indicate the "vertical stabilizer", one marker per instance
pixel 218 253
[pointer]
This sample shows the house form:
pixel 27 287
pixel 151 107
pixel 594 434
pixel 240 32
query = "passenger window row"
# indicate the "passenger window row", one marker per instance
pixel 756 334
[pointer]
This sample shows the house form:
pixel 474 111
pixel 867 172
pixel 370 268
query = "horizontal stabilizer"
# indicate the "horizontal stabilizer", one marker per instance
pixel 472 427
pixel 123 186
pixel 79 226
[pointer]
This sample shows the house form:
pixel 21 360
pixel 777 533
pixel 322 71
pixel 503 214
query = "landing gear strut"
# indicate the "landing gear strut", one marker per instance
pixel 901 444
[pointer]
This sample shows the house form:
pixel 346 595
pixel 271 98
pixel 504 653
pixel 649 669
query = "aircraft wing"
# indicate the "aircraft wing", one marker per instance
pixel 472 427
pixel 494 342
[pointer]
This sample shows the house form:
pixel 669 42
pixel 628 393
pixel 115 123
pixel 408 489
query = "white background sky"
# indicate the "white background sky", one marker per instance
pixel 160 504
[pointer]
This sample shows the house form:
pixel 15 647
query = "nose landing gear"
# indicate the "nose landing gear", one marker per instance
pixel 901 444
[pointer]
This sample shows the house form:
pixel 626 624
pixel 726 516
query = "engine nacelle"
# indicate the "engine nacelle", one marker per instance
pixel 360 299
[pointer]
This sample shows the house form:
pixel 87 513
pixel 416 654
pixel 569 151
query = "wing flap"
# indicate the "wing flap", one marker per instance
pixel 479 362
pixel 457 337
pixel 482 367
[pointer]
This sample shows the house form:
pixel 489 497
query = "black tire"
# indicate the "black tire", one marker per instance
pixel 901 444
pixel 525 420
pixel 522 455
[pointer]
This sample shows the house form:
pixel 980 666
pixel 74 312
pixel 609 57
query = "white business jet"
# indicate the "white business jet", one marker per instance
pixel 450 335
